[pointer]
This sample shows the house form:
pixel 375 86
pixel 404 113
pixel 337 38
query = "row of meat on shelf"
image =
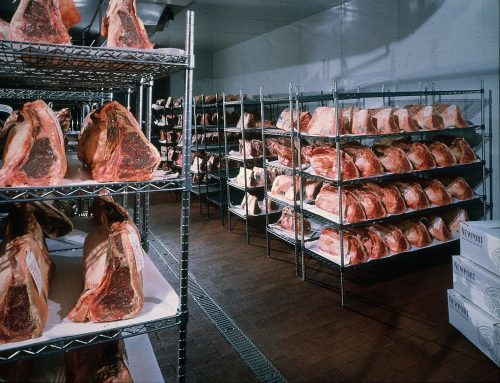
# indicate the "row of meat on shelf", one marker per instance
pixel 377 240
pixel 111 147
pixel 112 268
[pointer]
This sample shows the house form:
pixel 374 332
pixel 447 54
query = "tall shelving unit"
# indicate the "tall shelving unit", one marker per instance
pixel 42 68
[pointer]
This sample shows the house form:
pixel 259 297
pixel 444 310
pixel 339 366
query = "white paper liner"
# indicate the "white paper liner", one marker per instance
pixel 234 182
pixel 238 156
pixel 277 164
pixel 160 299
pixel 262 205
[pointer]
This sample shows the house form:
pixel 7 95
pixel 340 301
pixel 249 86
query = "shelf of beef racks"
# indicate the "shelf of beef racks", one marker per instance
pixel 55 95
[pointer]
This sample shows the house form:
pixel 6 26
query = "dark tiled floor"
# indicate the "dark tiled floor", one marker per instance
pixel 395 328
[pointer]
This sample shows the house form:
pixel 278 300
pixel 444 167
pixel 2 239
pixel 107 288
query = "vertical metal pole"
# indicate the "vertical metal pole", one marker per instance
pixel 490 149
pixel 196 144
pixel 294 183
pixel 187 119
pixel 433 88
pixel 264 165
pixel 226 153
pixel 301 189
pixel 483 151
pixel 242 119
pixel 383 96
pixel 221 193
pixel 147 132
pixel 139 109
pixel 420 89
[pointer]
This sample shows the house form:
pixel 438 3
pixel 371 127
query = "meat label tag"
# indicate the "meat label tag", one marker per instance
pixel 138 251
pixel 34 270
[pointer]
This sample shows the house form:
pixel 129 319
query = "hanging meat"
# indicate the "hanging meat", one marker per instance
pixel 406 122
pixel 353 250
pixel 328 200
pixel 365 160
pixel 25 271
pixel 324 122
pixel 39 21
pixel 34 151
pixel 415 232
pixel 287 220
pixel 324 162
pixel 426 117
pixel 386 120
pixel 69 13
pixel 375 246
pixel 418 153
pixel 437 228
pixel 113 147
pixel 393 237
pixel 113 263
pixel 363 123
pixel 285 122
pixel 458 188
pixel 372 205
pixel 454 217
pixel 389 195
pixel 123 28
pixel 436 192
pixel 442 154
pixel 413 194
pixel 393 159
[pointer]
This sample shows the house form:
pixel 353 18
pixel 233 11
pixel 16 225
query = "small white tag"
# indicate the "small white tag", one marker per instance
pixel 138 251
pixel 34 270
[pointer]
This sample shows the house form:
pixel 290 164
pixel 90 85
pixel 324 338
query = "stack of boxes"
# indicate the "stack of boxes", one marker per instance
pixel 474 301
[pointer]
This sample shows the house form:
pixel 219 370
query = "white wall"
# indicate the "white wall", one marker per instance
pixel 454 43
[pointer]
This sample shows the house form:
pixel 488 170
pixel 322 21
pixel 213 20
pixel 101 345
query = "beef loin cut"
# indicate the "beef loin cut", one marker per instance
pixel 393 159
pixel 39 21
pixel 324 122
pixel 406 122
pixel 375 246
pixel 64 117
pixel 114 148
pixel 393 237
pixel 324 162
pixel 69 13
pixel 417 152
pixel 246 121
pixel 286 221
pixel 413 195
pixel 34 152
pixel 363 122
pixel 437 227
pixel 4 30
pixel 123 28
pixel 285 122
pixel 354 251
pixel 389 195
pixel 371 203
pixel 54 222
pixel 328 200
pixel 386 120
pixel 25 271
pixel 442 154
pixel 436 192
pixel 252 202
pixel 454 217
pixel 458 188
pixel 365 160
pixel 415 232
pixel 113 263
pixel 451 115
pixel 462 151
pixel 426 116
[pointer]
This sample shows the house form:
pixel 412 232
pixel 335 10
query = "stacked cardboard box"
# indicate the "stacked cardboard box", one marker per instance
pixel 474 301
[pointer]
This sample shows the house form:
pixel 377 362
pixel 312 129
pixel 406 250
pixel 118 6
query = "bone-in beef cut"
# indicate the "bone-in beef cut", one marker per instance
pixel 103 362
pixel 462 151
pixel 34 152
pixel 284 153
pixel 436 192
pixel 389 195
pixel 365 160
pixel 363 122
pixel 306 151
pixel 53 222
pixel 375 246
pixel 442 154
pixel 354 251
pixel 311 189
pixel 253 204
pixel 328 200
pixel 251 148
pixel 123 28
pixel 246 121
pixel 451 115
pixel 454 217
pixel 259 176
pixel 393 159
pixel 114 148
pixel 458 188
pixel 324 122
pixel 393 237
pixel 437 228
pixel 417 152
pixel 64 117
pixel 25 270
pixel 413 195
pixel 372 205
pixel 39 21
pixel 69 13
pixel 287 220
pixel 113 263
pixel 386 120
pixel 4 30
pixel 324 162
pixel 247 174
pixel 406 122
pixel 281 184
pixel 285 123
pixel 426 116
pixel 415 232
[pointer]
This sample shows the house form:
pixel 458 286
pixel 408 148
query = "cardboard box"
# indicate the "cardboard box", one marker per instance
pixel 480 242
pixel 477 285
pixel 482 329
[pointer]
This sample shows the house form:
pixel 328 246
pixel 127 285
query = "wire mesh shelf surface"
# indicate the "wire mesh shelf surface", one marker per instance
pixel 54 95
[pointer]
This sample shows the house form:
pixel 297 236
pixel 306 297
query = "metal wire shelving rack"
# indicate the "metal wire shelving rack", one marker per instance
pixel 44 71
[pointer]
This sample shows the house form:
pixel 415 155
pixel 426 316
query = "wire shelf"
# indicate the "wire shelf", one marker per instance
pixel 242 187
pixel 54 95
pixel 52 66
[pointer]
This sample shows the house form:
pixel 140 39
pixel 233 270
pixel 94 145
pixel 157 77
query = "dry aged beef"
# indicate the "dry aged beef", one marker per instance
pixel 69 13
pixel 458 188
pixel 406 122
pixel 454 217
pixel 34 152
pixel 113 147
pixel 393 159
pixel 436 192
pixel 245 173
pixel 385 120
pixel 123 28
pixel 281 184
pixel 247 121
pixel 353 250
pixel 442 154
pixel 64 117
pixel 371 203
pixel 415 232
pixel 437 228
pixel 363 123
pixel 389 195
pixel 113 263
pixel 426 117
pixel 328 200
pixel 251 148
pixel 39 21
pixel 253 204
pixel 324 122
pixel 285 123
pixel 462 151
pixel 259 176
pixel 104 363
pixel 393 237
pixel 413 194
pixel 366 161
pixel 324 162
pixel 53 221
pixel 25 271
pixel 417 152
pixel 375 246
pixel 287 220
pixel 4 30
pixel 451 115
